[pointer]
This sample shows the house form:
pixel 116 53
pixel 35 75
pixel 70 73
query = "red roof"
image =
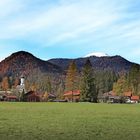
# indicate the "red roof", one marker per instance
pixel 76 92
pixel 135 98
pixel 11 97
pixel 128 94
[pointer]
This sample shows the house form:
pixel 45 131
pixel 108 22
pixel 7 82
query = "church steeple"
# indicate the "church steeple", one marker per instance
pixel 22 81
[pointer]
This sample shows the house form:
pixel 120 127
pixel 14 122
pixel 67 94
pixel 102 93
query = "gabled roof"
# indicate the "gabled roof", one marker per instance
pixel 135 98
pixel 52 95
pixel 29 93
pixel 75 92
pixel 11 97
pixel 110 93
pixel 6 92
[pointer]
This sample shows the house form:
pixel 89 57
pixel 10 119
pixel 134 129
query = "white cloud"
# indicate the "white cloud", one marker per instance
pixel 61 22
pixel 66 21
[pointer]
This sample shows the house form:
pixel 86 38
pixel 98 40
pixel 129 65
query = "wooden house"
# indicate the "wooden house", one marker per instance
pixel 72 96
pixel 10 98
pixel 128 94
pixel 130 98
pixel 135 99
pixel 31 96
pixel 109 97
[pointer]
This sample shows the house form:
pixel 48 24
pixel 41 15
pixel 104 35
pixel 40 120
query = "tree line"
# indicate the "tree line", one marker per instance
pixel 91 83
pixel 128 82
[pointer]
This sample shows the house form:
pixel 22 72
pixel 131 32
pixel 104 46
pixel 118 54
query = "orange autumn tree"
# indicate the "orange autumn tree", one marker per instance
pixel 5 84
pixel 16 82
pixel 71 78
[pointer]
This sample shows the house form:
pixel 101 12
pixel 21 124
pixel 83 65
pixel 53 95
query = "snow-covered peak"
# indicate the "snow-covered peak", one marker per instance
pixel 97 54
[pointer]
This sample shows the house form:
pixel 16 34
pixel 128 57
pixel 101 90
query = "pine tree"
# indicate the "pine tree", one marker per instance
pixel 71 78
pixel 134 79
pixel 88 89
pixel 104 80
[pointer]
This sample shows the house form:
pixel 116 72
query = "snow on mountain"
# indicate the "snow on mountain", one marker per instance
pixel 97 54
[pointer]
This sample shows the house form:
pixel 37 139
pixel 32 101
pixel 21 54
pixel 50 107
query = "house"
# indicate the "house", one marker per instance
pixel 109 97
pixel 135 99
pixel 72 96
pixel 48 97
pixel 51 97
pixel 31 96
pixel 10 98
pixel 128 95
pixel 130 98
pixel 114 99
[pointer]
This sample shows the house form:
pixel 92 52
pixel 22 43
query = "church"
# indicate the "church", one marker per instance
pixel 30 96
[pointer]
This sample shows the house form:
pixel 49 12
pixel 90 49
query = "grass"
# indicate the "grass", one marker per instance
pixel 71 121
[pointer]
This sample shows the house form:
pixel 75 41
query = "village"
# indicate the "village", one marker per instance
pixel 69 96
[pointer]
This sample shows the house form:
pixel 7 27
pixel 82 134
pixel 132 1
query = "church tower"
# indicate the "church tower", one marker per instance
pixel 22 81
pixel 21 87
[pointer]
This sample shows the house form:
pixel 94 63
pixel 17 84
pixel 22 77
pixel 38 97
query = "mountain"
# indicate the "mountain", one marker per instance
pixel 113 63
pixel 97 54
pixel 49 75
pixel 25 63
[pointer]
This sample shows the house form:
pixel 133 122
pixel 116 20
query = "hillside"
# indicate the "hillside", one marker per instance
pixel 50 75
pixel 114 63
pixel 25 63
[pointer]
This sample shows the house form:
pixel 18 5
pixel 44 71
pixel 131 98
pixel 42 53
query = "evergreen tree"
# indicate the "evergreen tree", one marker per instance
pixel 88 89
pixel 134 79
pixel 104 80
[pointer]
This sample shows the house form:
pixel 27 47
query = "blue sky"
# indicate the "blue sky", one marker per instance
pixel 70 28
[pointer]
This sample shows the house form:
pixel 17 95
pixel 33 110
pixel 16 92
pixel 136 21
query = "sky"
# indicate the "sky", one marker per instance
pixel 70 28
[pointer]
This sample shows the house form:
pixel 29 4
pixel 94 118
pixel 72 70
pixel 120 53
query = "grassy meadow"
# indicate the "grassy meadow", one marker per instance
pixel 69 121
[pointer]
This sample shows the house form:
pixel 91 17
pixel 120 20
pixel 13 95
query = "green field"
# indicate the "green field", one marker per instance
pixel 69 121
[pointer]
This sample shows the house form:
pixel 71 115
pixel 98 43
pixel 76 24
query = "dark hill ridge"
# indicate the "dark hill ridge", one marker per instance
pixel 24 62
pixel 114 63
